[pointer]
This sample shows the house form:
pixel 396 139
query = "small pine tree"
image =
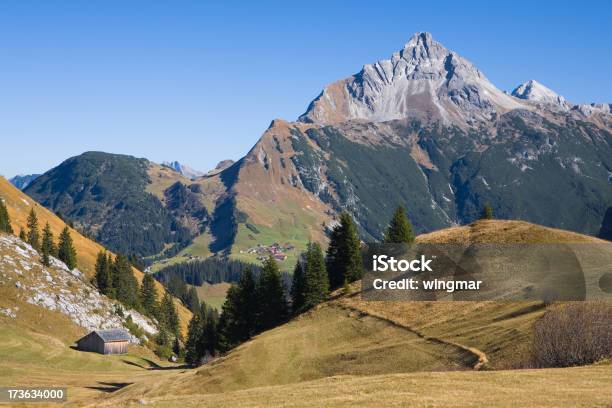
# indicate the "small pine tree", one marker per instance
pixel 343 259
pixel 487 212
pixel 194 332
pixel 5 220
pixel 125 285
pixel 48 246
pixel 191 300
pixel 272 304
pixel 297 289
pixel 148 295
pixel 239 312
pixel 209 338
pixel 316 283
pixel 33 237
pixel 168 314
pixel 400 228
pixel 22 235
pixel 65 250
pixel 177 348
pixel 104 280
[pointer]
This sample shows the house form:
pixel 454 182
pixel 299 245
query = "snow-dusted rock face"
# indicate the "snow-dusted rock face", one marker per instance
pixel 592 108
pixel 424 80
pixel 59 289
pixel 538 93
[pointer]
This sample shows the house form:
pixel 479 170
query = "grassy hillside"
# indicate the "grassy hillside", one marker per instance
pixel 19 206
pixel 350 351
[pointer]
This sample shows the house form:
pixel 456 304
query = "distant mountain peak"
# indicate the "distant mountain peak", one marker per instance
pixel 534 91
pixel 183 170
pixel 21 181
pixel 424 80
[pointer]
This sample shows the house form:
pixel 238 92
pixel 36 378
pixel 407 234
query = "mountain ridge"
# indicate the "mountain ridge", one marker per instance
pixel 425 129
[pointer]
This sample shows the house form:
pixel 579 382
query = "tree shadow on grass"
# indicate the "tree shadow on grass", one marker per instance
pixel 152 365
pixel 109 387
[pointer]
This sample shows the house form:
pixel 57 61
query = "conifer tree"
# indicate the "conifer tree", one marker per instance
pixel 191 299
pixel 239 312
pixel 65 250
pixel 194 333
pixel 124 283
pixel 316 281
pixel 48 248
pixel 343 260
pixel 177 348
pixel 297 289
pixel 272 305
pixel 33 237
pixel 148 295
pixel 209 340
pixel 22 235
pixel 168 314
pixel 248 305
pixel 104 280
pixel 5 220
pixel 231 327
pixel 400 228
pixel 487 212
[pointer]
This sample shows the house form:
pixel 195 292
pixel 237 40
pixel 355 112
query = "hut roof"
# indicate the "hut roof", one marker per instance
pixel 113 335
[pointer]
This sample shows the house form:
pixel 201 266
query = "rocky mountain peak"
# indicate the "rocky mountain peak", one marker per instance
pixel 183 170
pixel 424 80
pixel 534 91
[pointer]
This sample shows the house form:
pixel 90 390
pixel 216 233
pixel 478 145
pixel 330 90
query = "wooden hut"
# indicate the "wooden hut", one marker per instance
pixel 113 341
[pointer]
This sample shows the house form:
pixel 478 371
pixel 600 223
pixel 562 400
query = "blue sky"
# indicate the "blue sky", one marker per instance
pixel 199 81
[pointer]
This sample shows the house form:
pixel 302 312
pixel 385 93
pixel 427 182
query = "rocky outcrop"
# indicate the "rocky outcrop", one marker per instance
pixel 57 288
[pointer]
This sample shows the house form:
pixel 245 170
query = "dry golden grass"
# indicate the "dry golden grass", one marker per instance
pixel 213 295
pixel 505 232
pixel 551 388
pixel 19 206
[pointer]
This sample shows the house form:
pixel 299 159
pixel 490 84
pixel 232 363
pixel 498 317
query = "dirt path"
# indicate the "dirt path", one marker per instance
pixel 479 357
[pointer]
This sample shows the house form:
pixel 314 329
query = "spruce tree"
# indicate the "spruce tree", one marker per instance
pixel 48 248
pixel 168 314
pixel 22 235
pixel 297 289
pixel 33 237
pixel 209 339
pixel 194 333
pixel 487 212
pixel 104 280
pixel 65 250
pixel 5 220
pixel 231 327
pixel 272 305
pixel 343 260
pixel 148 295
pixel 124 283
pixel 177 348
pixel 400 228
pixel 316 283
pixel 191 299
pixel 247 308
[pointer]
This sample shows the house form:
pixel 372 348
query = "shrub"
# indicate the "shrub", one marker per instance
pixel 573 334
